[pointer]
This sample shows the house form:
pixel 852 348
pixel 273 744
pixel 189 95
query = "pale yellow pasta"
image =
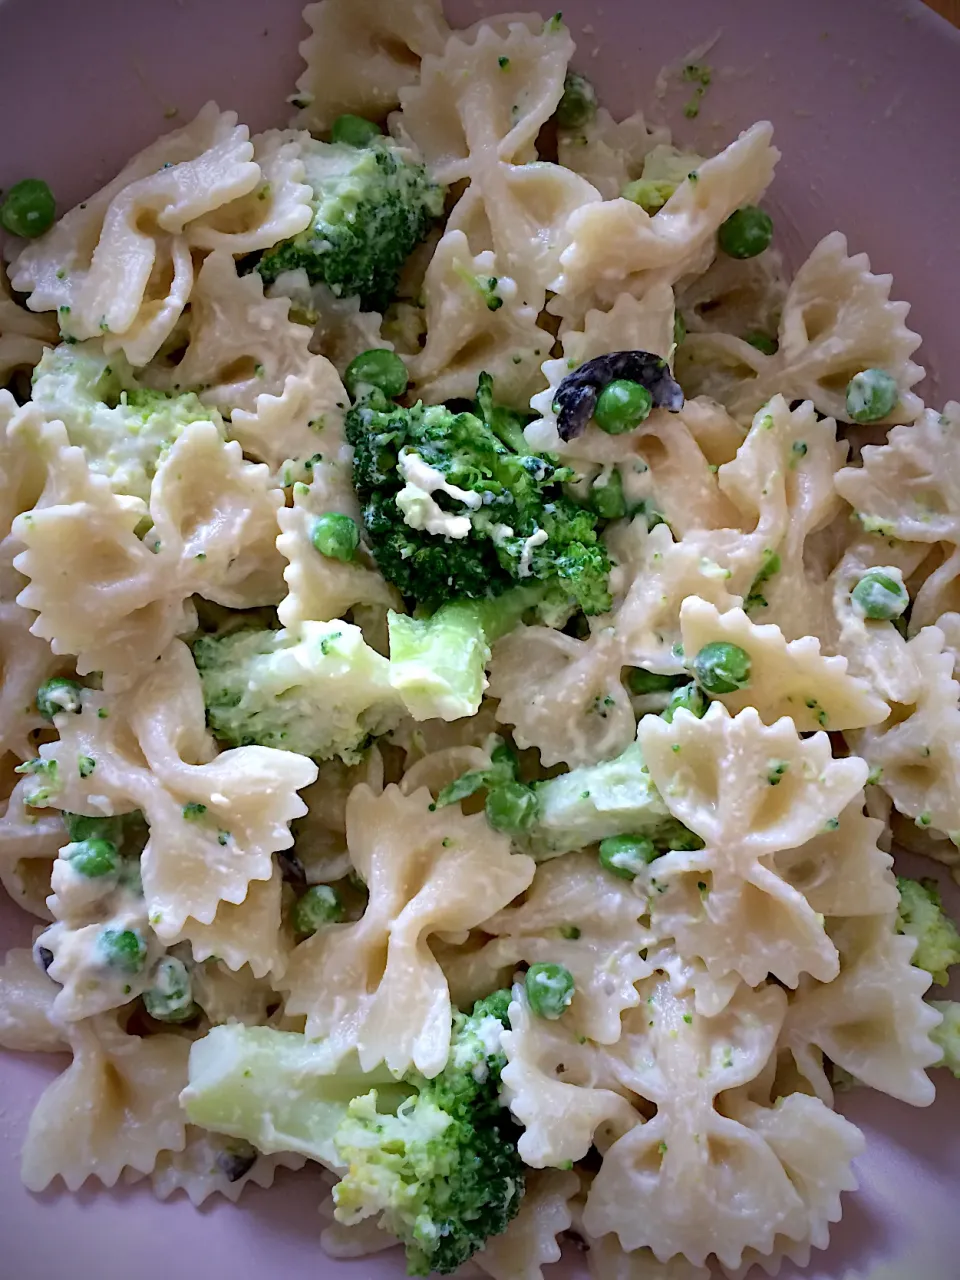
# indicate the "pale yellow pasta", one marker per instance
pixel 27 998
pixel 530 1242
pixel 197 1170
pixel 608 153
pixel 374 985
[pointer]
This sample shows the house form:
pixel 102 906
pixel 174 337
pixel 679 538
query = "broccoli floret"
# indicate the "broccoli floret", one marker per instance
pixel 276 1089
pixel 594 802
pixel 444 1173
pixel 451 510
pixel 319 690
pixel 947 1035
pixel 372 205
pixel 121 427
pixel 920 915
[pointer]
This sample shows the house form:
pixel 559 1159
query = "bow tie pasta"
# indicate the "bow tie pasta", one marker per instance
pixel 475 633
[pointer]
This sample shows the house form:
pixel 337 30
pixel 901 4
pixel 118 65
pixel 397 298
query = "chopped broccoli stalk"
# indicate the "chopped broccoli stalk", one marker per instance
pixel 443 1173
pixel 122 428
pixel 319 690
pixel 504 768
pixel 512 807
pixel 451 510
pixel 613 798
pixel 276 1089
pixel 947 1035
pixel 372 205
pixel 651 194
pixel 506 424
pixel 921 916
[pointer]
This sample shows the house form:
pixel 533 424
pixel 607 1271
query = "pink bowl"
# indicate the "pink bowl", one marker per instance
pixel 863 97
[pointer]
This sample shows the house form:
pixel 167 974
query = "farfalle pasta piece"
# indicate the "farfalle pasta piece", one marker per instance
pixel 119 264
pixel 607 152
pixel 115 1107
pixel 240 345
pixel 320 588
pixel 843 871
pixel 228 996
pixel 26 1006
pixel 578 915
pixel 872 1020
pixel 918 751
pixel 30 840
pixel 668 1184
pixel 493 87
pixel 215 820
pixel 297 426
pixel 749 791
pixel 735 295
pixel 210 1165
pixel 466 338
pixel 617 246
pixel 559 1088
pixel 565 696
pixel 786 679
pixel 374 985
pixel 530 1241
pixel 875 648
pixel 908 489
pixel 606 1260
pixel 276 209
pixel 244 933
pixel 24 336
pixel 213 532
pixel 837 320
pixel 361 54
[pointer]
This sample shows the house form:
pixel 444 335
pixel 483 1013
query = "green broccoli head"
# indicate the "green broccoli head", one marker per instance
pixel 372 205
pixel 921 916
pixel 451 510
pixel 444 1172
pixel 122 428
pixel 947 1035
pixel 320 691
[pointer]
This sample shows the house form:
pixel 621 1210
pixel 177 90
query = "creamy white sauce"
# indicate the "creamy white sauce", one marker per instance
pixel 416 501
pixel 536 539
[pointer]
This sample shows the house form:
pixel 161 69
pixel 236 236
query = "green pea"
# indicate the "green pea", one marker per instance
pixel 763 342
pixel 871 395
pixel 626 856
pixel 29 209
pixel 549 989
pixel 58 694
pixel 80 827
pixel 578 106
pixel 607 499
pixel 355 131
pixel 641 681
pixel 170 997
pixel 336 536
pixel 721 667
pixel 880 594
pixel 689 697
pixel 93 858
pixel 381 369
pixel 746 233
pixel 651 194
pixel 621 406
pixel 512 807
pixel 320 905
pixel 123 949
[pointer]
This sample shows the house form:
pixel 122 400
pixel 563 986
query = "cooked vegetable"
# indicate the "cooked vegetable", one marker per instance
pixel 550 989
pixel 443 1174
pixel 58 694
pixel 627 855
pixel 169 998
pixel 763 342
pixel 746 233
pixel 377 368
pixel 320 905
pixel 688 697
pixel 576 397
pixel 641 681
pixel 721 667
pixel 123 949
pixel 373 203
pixel 881 594
pixel 607 498
pixel 921 916
pixel 451 511
pixel 621 406
pixel 92 858
pixel 578 106
pixel 336 536
pixel 28 209
pixel 512 807
pixel 871 395
pixel 947 1035
pixel 355 131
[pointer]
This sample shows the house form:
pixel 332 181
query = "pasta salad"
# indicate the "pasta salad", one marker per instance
pixel 472 627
